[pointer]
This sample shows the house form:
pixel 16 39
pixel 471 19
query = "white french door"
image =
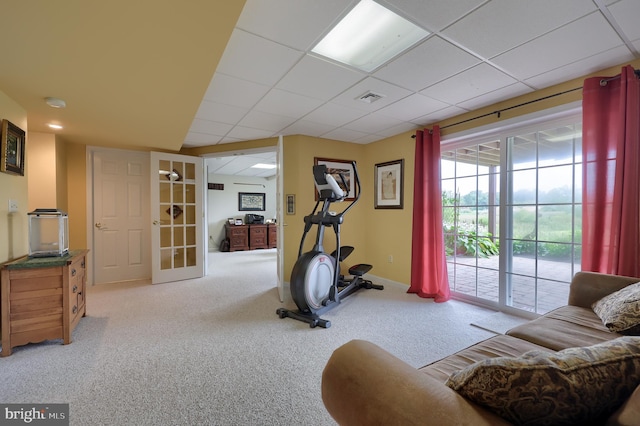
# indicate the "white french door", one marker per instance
pixel 280 217
pixel 177 213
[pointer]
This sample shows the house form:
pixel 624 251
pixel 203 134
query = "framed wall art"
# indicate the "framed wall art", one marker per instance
pixel 251 201
pixel 335 168
pixel 291 204
pixel 389 185
pixel 13 149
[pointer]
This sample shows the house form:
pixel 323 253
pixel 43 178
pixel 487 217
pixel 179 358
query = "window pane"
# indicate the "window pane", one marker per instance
pixel 555 184
pixel 524 186
pixel 466 164
pixel 447 167
pixel 523 152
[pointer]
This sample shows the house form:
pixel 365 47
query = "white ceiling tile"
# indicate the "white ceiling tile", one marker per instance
pixel 210 127
pixel 586 66
pixel 434 15
pixel 256 59
pixel 367 139
pixel 318 78
pixel 390 92
pixel 288 104
pixel 228 90
pixel 395 130
pixel 626 14
pixel 334 114
pixel 500 25
pixel 247 133
pixel 214 111
pixel 342 134
pixel 438 116
pixel 372 123
pixel 499 95
pixel 309 128
pixel 201 139
pixel 412 107
pixel 474 82
pixel 266 121
pixel 293 23
pixel 426 64
pixel 583 38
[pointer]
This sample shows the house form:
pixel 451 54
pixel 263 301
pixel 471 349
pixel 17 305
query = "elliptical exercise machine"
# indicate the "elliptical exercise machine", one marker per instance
pixel 316 282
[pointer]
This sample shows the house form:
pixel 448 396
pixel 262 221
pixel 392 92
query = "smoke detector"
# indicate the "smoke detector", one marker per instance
pixel 370 97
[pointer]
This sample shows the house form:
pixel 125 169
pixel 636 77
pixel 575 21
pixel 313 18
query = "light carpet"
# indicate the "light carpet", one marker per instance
pixel 212 351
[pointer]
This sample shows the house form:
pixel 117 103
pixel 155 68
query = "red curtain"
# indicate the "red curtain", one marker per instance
pixel 428 262
pixel 611 174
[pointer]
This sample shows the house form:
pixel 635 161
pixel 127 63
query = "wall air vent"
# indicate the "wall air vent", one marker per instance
pixel 370 97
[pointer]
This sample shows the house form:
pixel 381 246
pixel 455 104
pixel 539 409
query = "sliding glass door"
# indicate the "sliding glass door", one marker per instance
pixel 512 216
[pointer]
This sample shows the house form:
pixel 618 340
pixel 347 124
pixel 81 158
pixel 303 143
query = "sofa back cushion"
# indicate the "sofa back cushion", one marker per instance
pixel 575 385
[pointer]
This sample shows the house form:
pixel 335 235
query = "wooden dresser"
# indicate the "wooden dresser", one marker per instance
pixel 258 237
pixel 238 236
pixel 41 299
pixel 273 235
pixel 251 237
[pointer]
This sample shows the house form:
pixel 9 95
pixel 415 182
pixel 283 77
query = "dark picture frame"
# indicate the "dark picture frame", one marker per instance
pixel 12 143
pixel 335 167
pixel 389 185
pixel 251 201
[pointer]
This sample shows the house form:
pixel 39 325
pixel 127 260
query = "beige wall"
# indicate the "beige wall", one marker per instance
pixel 13 226
pixel 76 190
pixel 42 171
pixel 376 234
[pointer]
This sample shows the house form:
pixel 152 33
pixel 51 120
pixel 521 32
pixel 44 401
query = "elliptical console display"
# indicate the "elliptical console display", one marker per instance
pixel 316 282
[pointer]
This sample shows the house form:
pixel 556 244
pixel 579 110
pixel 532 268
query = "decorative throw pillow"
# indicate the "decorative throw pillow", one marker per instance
pixel 620 311
pixel 572 386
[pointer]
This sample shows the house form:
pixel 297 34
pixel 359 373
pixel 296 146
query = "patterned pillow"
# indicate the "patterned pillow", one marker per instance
pixel 573 386
pixel 620 311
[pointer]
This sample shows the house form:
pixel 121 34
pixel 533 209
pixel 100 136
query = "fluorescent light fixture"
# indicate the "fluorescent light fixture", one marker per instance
pixel 263 166
pixel 369 36
pixel 55 126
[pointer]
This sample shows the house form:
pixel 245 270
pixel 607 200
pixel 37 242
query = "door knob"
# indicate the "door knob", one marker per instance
pixel 99 225
pixel 156 222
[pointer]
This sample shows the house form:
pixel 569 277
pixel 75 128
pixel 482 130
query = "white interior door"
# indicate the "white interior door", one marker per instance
pixel 280 217
pixel 177 249
pixel 121 229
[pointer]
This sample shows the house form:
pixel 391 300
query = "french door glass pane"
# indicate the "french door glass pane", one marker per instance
pixel 177 214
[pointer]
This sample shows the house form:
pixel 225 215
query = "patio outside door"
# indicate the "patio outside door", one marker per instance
pixel 177 217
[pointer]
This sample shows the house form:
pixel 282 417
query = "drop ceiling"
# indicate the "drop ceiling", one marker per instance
pixel 478 53
pixel 163 75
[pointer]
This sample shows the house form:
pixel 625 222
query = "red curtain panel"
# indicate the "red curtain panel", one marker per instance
pixel 428 260
pixel 611 174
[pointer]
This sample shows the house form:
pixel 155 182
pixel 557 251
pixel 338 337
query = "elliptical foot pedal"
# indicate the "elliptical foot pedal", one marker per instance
pixel 360 269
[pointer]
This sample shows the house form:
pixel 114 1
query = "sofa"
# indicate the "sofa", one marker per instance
pixel 362 384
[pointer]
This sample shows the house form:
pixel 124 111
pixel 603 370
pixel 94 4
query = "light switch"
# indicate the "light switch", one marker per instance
pixel 13 206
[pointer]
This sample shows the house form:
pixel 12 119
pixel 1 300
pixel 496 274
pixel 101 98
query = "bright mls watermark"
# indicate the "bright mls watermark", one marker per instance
pixel 34 414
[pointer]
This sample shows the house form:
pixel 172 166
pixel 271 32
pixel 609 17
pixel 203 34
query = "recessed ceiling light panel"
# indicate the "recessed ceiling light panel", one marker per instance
pixel 369 36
